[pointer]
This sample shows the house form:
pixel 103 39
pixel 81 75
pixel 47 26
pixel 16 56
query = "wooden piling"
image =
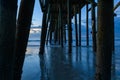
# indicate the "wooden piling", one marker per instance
pixel 87 27
pixel 56 32
pixel 76 30
pixel 45 7
pixel 22 35
pixel 79 25
pixel 64 29
pixel 50 36
pixel 69 26
pixel 48 33
pixel 104 40
pixel 43 33
pixel 8 10
pixel 47 24
pixel 47 36
pixel 93 25
pixel 61 23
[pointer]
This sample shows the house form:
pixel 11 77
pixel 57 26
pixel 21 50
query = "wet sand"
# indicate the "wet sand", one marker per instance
pixel 58 64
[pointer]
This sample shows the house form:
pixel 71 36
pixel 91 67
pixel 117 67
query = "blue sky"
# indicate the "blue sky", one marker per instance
pixel 37 14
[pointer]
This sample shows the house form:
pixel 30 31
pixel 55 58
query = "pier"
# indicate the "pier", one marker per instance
pixel 56 28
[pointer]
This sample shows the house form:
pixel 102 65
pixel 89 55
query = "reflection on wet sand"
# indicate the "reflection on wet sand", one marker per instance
pixel 58 64
pixel 62 65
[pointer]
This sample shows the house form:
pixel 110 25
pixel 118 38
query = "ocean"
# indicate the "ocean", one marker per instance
pixel 34 37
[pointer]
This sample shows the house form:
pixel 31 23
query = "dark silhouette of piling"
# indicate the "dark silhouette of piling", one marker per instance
pixel 93 25
pixel 44 7
pixel 61 23
pixel 22 35
pixel 69 25
pixel 79 25
pixel 8 11
pixel 76 29
pixel 87 25
pixel 104 40
pixel 43 33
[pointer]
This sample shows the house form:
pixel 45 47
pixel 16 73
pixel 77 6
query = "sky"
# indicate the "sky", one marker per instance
pixel 37 14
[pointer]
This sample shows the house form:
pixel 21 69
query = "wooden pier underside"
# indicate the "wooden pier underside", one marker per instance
pixel 55 5
pixel 57 14
pixel 60 13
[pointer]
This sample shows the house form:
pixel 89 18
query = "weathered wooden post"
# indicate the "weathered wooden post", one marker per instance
pixel 43 33
pixel 59 35
pixel 22 35
pixel 56 32
pixel 93 25
pixel 48 33
pixel 51 33
pixel 61 23
pixel 44 7
pixel 47 37
pixel 87 27
pixel 8 10
pixel 48 24
pixel 76 30
pixel 64 29
pixel 69 25
pixel 79 25
pixel 104 40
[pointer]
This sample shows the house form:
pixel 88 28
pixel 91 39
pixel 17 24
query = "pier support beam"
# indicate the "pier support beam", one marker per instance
pixel 22 35
pixel 8 10
pixel 104 38
pixel 93 25
pixel 45 8
pixel 64 33
pixel 69 25
pixel 76 30
pixel 43 33
pixel 87 27
pixel 79 25
pixel 61 23
pixel 56 32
